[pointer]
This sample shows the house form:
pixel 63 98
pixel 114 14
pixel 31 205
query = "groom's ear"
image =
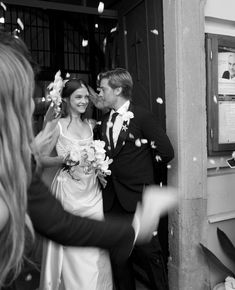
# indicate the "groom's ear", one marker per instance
pixel 118 91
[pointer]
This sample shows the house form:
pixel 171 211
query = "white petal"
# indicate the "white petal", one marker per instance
pixel 20 23
pixel 101 7
pixel 84 42
pixel 137 142
pixel 144 141
pixel 159 100
pixel 3 6
pixel 154 31
pixel 113 29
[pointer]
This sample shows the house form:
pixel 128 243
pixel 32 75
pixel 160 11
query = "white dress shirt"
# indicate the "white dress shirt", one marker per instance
pixel 117 126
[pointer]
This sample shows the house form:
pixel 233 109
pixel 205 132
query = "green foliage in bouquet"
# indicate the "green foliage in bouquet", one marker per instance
pixel 228 248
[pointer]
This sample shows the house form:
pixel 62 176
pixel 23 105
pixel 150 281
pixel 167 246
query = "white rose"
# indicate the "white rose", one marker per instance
pixel 90 154
pixel 127 116
pixel 75 155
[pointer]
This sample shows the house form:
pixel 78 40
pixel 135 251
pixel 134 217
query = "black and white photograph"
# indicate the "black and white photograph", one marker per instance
pixel 117 145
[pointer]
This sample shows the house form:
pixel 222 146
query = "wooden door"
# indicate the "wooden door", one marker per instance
pixel 142 53
pixel 141 50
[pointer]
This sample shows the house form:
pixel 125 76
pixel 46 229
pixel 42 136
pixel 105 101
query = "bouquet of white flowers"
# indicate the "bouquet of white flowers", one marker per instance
pixel 91 157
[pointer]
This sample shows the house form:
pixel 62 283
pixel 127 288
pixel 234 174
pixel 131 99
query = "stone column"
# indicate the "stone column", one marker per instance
pixel 185 84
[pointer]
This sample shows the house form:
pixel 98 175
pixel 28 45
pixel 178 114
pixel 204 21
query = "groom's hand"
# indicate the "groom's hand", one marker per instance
pixel 156 201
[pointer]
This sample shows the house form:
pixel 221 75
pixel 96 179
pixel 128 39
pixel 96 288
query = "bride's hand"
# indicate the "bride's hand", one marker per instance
pixel 101 176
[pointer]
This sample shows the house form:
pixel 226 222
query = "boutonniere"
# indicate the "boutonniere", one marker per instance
pixel 127 116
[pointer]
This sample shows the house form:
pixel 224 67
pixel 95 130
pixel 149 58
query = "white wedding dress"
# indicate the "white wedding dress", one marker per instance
pixel 72 268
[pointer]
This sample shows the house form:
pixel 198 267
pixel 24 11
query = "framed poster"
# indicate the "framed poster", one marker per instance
pixel 220 70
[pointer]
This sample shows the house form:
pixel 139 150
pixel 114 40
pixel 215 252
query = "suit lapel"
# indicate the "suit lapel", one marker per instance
pixel 123 134
pixel 103 133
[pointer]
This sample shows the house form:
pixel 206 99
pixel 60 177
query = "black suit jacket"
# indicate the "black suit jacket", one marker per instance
pixel 132 166
pixel 52 221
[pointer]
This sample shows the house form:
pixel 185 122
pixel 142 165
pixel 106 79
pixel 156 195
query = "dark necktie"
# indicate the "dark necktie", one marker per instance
pixel 114 116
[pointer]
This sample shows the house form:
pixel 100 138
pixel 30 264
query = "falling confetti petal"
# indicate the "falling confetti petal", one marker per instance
pixel 194 158
pixel 43 99
pixel 98 123
pixel 131 136
pixel 2 20
pixel 96 25
pixel 154 233
pixel 113 29
pixel 137 142
pixel 215 99
pixel 20 23
pixel 144 141
pixel 169 166
pixel 212 161
pixel 3 6
pixel 160 184
pixel 15 32
pixel 154 31
pixel 109 124
pixel 84 42
pixel 101 7
pixel 153 145
pixel 105 41
pixel 104 44
pixel 158 158
pixel 159 100
pixel 28 277
pixel 67 75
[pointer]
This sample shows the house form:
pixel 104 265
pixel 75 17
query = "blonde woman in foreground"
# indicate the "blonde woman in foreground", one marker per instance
pixel 16 85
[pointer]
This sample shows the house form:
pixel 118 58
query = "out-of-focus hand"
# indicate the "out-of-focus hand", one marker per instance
pixel 51 114
pixel 156 201
pixel 97 100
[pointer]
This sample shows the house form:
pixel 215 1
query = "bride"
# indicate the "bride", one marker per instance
pixel 79 191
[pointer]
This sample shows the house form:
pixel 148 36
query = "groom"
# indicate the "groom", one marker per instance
pixel 133 139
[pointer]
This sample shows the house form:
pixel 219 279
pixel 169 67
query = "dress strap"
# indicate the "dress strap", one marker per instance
pixel 91 123
pixel 60 127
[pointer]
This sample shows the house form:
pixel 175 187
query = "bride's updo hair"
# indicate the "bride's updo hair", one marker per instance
pixel 72 85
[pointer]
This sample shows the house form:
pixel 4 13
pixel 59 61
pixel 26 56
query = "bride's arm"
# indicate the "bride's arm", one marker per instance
pixel 45 143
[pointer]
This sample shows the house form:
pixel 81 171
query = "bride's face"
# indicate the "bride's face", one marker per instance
pixel 79 100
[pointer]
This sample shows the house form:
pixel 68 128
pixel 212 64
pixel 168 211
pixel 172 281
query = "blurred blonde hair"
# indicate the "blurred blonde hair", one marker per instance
pixel 16 90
